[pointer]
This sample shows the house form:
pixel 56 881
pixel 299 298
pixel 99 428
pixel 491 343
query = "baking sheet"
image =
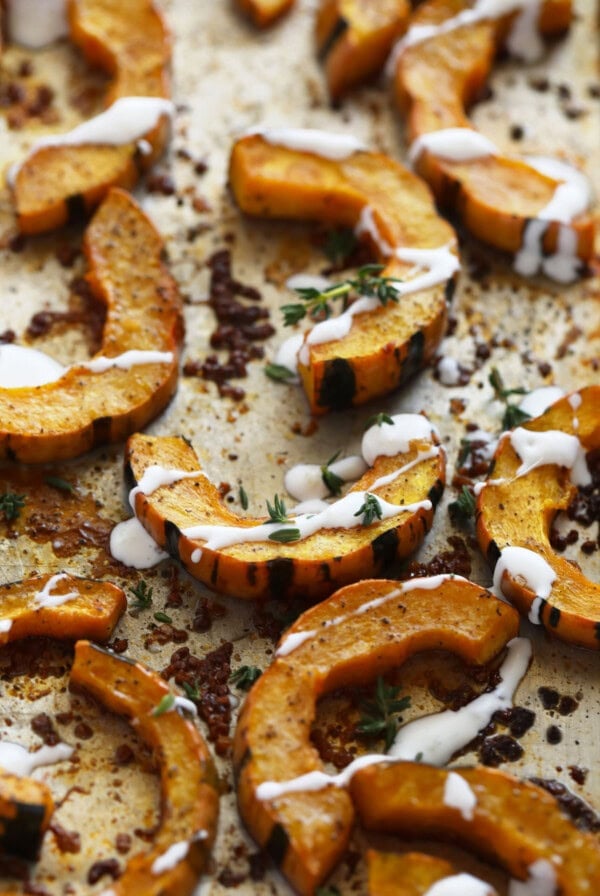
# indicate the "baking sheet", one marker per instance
pixel 227 78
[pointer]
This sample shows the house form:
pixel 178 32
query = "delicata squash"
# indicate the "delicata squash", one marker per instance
pixel 354 38
pixel 60 606
pixel 404 874
pixel 534 475
pixel 511 822
pixel 58 183
pixel 437 74
pixel 362 631
pixel 264 12
pixel 134 374
pixel 229 554
pixel 189 791
pixel 26 807
pixel 393 209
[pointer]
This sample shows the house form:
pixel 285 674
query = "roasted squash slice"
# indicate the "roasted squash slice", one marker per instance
pixel 354 38
pixel 405 874
pixel 312 567
pixel 190 800
pixel 384 346
pixel 26 807
pixel 59 606
pixel 69 416
pixel 517 511
pixel 131 42
pixel 264 12
pixel 515 824
pixel 494 196
pixel 339 643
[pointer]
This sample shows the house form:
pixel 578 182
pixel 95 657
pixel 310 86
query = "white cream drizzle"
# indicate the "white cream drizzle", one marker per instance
pixel 394 438
pixel 458 795
pixel 367 225
pixel 125 121
pixel 125 361
pixel 311 140
pixel 155 477
pixel 541 881
pixel 305 481
pixel 45 597
pixel 308 281
pixel 5 625
pixel 131 545
pixel 435 738
pixel 529 567
pixel 552 446
pixel 36 23
pixel 448 371
pixel 17 760
pixel 287 355
pixel 539 400
pixel 453 144
pixel 462 884
pixel 171 857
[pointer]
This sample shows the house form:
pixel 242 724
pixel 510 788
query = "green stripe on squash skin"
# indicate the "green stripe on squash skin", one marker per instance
pixel 338 386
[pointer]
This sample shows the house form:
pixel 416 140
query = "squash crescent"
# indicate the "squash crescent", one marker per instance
pixel 494 196
pixel 190 799
pixel 131 42
pixel 354 39
pixel 405 874
pixel 67 417
pixel 311 568
pixel 518 512
pixel 514 823
pixel 26 807
pixel 92 611
pixel 264 13
pixel 389 344
pixel 306 832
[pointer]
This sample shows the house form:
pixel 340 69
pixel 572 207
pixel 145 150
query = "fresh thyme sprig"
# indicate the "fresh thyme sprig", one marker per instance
pixel 59 483
pixel 379 717
pixel 284 536
pixel 143 596
pixel 243 498
pixel 11 505
pixel 315 303
pixel 245 676
pixel 278 372
pixel 276 510
pixel 163 617
pixel 192 691
pixel 379 420
pixel 466 448
pixel 464 506
pixel 332 481
pixel 165 704
pixel 369 510
pixel 339 245
pixel 513 415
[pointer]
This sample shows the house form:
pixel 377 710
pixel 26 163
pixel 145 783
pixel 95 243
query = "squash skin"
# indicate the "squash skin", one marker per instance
pixel 406 874
pixel 494 197
pixel 264 13
pixel 189 789
pixel 26 807
pixel 514 823
pixel 93 614
pixel 312 568
pixel 354 38
pixel 131 42
pixel 520 513
pixel 306 833
pixel 66 418
pixel 385 346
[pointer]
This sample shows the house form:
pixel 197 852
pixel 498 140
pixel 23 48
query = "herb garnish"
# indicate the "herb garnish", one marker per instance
pixel 11 505
pixel 340 244
pixel 277 512
pixel 61 484
pixel 243 498
pixel 466 448
pixel 378 718
pixel 245 676
pixel 316 302
pixel 143 596
pixel 279 372
pixel 378 420
pixel 513 415
pixel 283 536
pixel 464 506
pixel 370 510
pixel 165 704
pixel 332 481
pixel 192 691
pixel 162 617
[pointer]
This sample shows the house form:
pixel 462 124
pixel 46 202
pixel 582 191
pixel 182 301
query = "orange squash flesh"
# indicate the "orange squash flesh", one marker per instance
pixel 26 807
pixel 435 81
pixel 515 823
pixel 66 418
pixel 311 568
pixel 307 832
pixel 94 613
pixel 189 792
pixel 406 874
pixel 354 38
pixel 264 13
pixel 385 346
pixel 519 513
pixel 131 42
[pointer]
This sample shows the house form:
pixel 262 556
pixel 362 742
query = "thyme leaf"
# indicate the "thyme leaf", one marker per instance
pixel 370 510
pixel 284 536
pixel 143 596
pixel 379 718
pixel 61 484
pixel 243 498
pixel 162 617
pixel 332 481
pixel 276 510
pixel 464 506
pixel 245 676
pixel 11 505
pixel 278 372
pixel 378 420
pixel 500 390
pixel 514 416
pixel 192 691
pixel 339 245
pixel 164 705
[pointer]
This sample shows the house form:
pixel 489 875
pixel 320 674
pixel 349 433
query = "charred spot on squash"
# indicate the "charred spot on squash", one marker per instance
pixel 385 548
pixel 450 289
pixel 214 575
pixel 251 573
pixel 493 553
pixel 277 845
pixel 76 208
pixel 102 429
pixel 281 574
pixel 435 493
pixel 414 356
pixel 554 617
pixel 338 385
pixel 339 29
pixel 597 631
pixel 26 807
pixel 172 536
